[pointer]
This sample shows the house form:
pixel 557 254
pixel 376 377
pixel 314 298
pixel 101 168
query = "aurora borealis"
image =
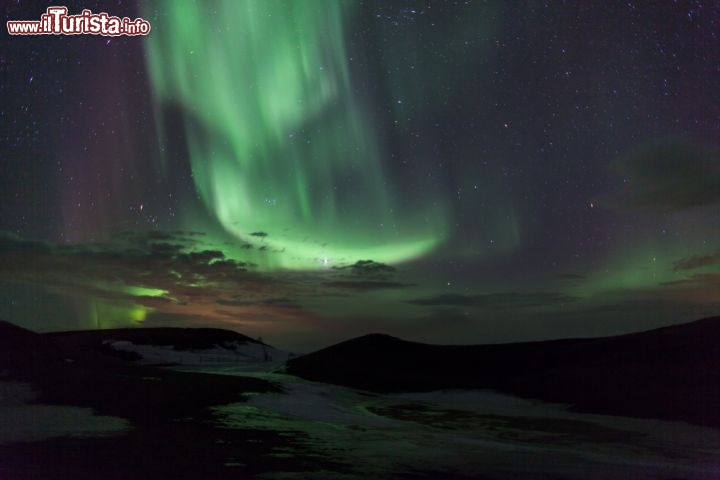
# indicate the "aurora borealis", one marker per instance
pixel 277 143
pixel 463 172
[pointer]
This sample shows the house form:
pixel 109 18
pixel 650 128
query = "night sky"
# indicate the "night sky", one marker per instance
pixel 308 171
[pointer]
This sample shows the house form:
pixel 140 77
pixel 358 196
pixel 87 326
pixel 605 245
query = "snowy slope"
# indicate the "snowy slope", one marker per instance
pixel 257 355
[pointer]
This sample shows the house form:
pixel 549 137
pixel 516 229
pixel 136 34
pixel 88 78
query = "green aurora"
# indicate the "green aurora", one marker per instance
pixel 278 143
pixel 232 167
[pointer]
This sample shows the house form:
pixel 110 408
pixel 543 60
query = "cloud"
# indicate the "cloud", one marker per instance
pixel 275 302
pixel 697 261
pixel 496 300
pixel 703 281
pixel 668 176
pixel 362 276
pixel 154 277
pixel 364 286
pixel 168 272
pixel 367 267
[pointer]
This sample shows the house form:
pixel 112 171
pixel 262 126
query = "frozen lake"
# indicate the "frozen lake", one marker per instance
pixel 479 434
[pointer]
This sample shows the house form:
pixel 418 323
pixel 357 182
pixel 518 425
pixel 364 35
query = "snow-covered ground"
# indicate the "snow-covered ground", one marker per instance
pixel 24 421
pixel 474 433
pixel 477 434
pixel 249 356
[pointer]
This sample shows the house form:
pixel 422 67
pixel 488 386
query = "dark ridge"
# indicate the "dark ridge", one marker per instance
pixel 179 338
pixel 669 373
pixel 24 349
pixel 12 336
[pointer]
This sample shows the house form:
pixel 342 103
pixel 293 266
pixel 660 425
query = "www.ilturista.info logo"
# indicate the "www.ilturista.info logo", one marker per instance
pixel 57 22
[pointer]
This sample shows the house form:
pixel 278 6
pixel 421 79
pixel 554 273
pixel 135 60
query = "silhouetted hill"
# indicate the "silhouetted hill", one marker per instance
pixel 179 338
pixel 12 336
pixel 670 373
pixel 23 349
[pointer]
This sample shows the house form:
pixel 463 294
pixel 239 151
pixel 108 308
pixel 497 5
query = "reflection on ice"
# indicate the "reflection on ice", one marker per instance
pixel 469 433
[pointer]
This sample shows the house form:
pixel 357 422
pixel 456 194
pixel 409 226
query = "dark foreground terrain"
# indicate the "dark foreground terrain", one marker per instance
pixel 172 432
pixel 669 373
pixel 73 406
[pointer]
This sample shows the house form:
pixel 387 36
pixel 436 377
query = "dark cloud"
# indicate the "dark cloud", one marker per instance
pixel 283 302
pixel 699 280
pixel 496 300
pixel 697 261
pixel 669 175
pixel 11 242
pixel 133 267
pixel 163 275
pixel 366 285
pixel 367 267
pixel 209 257
pixel 361 276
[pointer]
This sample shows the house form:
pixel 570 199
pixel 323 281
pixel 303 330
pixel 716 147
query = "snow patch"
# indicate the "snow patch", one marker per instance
pixel 470 431
pixel 25 422
pixel 232 353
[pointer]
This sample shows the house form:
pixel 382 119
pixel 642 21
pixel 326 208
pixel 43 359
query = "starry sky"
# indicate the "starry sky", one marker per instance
pixel 449 172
